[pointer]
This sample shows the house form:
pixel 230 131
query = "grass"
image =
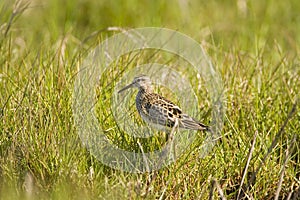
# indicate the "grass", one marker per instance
pixel 254 45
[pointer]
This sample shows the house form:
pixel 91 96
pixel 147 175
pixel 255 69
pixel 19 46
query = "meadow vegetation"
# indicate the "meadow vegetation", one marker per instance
pixel 254 45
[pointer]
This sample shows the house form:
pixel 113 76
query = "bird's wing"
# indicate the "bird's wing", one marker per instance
pixel 164 112
pixel 159 115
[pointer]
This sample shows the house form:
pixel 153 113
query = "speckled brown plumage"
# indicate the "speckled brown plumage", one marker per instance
pixel 159 111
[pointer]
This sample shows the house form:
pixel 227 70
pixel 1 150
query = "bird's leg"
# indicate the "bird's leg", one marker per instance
pixel 170 139
pixel 171 135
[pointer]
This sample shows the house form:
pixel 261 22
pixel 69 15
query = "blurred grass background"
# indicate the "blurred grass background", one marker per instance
pixel 253 44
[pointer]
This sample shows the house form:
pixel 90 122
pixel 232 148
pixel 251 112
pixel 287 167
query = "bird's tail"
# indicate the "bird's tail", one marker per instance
pixel 188 122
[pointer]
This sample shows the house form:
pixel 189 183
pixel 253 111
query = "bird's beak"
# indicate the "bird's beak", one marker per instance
pixel 126 87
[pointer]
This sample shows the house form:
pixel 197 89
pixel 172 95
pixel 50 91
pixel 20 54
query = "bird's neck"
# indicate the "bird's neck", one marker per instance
pixel 147 89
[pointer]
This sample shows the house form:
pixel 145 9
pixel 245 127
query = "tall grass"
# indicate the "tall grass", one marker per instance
pixel 255 47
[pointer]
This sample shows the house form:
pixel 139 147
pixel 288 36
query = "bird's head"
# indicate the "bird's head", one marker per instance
pixel 142 82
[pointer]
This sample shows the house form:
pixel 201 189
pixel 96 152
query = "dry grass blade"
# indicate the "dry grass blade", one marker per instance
pixel 247 164
pixel 274 142
pixel 220 191
pixel 19 8
pixel 287 156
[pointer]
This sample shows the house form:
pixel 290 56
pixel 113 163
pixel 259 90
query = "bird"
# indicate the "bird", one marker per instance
pixel 158 111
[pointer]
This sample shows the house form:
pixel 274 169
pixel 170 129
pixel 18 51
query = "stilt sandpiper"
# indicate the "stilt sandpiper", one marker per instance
pixel 158 111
